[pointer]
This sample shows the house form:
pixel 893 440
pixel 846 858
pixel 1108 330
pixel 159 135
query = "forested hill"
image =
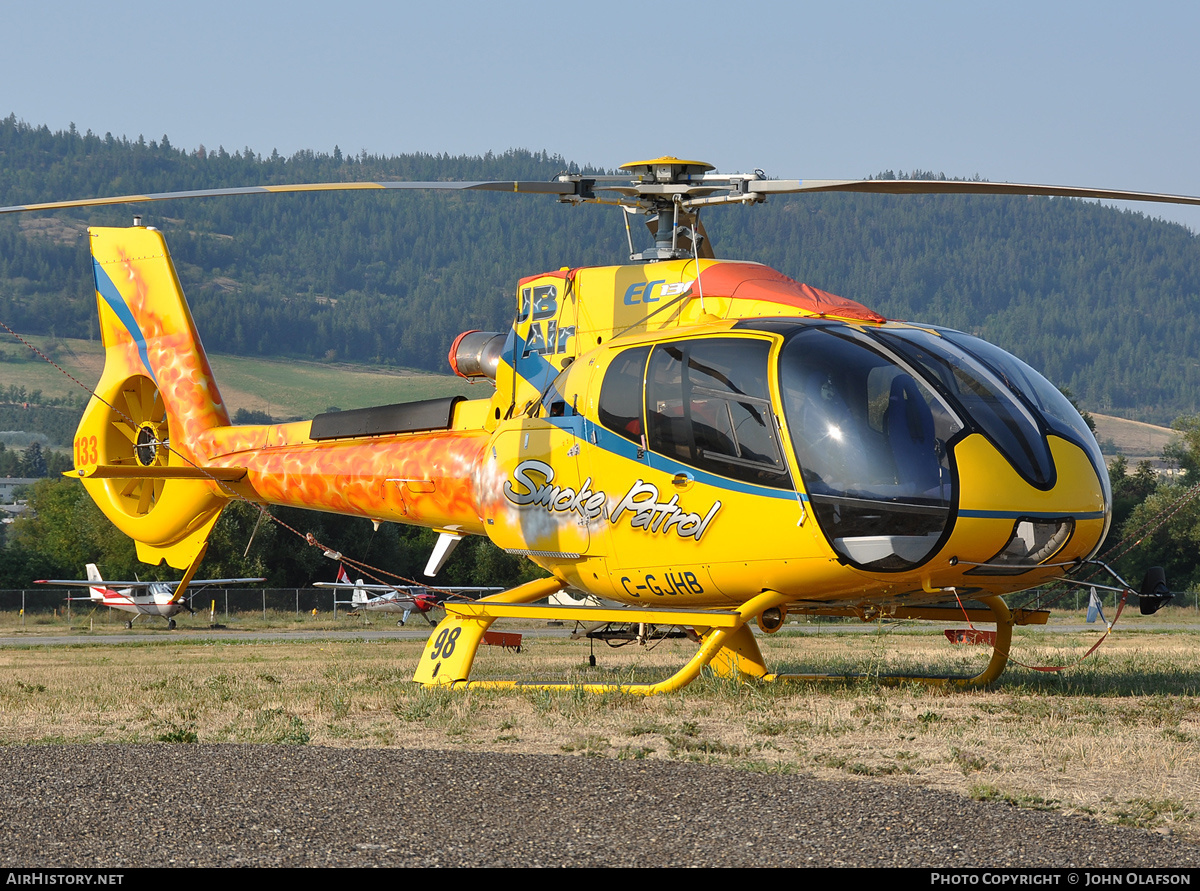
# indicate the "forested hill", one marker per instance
pixel 1105 302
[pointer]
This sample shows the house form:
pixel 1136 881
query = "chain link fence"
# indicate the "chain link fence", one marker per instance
pixel 233 603
pixel 223 602
pixel 1077 599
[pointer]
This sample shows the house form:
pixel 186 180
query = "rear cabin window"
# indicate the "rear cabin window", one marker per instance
pixel 620 407
pixel 708 406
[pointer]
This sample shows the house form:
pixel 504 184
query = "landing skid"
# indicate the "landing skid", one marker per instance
pixel 727 643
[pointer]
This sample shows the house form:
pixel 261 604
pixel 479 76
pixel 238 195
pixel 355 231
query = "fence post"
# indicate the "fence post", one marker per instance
pixel 264 594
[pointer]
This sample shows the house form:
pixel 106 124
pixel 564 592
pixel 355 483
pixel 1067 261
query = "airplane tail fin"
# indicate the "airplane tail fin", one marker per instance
pixel 360 594
pixel 93 574
pixel 144 432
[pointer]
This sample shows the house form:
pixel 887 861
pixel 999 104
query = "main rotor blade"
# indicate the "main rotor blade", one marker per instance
pixel 540 188
pixel 582 187
pixel 954 187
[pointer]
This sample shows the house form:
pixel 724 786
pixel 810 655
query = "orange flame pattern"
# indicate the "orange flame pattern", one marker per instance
pixel 425 479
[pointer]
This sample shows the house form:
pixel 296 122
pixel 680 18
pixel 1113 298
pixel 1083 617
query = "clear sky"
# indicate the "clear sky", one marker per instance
pixel 1081 93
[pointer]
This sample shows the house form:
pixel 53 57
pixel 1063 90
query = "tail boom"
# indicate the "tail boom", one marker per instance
pixel 424 479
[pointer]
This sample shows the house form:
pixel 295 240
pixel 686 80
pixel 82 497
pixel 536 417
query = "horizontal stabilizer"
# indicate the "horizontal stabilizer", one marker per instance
pixel 137 472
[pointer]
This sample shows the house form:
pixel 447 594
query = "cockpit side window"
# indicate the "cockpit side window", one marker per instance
pixel 708 405
pixel 620 407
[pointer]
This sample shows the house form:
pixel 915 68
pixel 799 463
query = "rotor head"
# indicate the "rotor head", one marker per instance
pixel 667 169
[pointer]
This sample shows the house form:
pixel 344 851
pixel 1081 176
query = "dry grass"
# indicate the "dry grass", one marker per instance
pixel 1115 737
pixel 1134 439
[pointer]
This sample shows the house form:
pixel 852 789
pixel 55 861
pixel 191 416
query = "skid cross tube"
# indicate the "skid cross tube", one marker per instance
pixel 726 640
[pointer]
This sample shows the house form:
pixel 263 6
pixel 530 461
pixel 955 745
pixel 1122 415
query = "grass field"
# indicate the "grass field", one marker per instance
pixel 1133 439
pixel 22 368
pixel 1115 737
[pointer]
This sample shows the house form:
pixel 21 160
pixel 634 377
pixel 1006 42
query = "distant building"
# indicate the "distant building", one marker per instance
pixel 9 485
pixel 10 512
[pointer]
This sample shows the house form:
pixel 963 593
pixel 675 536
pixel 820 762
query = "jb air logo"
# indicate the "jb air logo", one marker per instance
pixel 545 337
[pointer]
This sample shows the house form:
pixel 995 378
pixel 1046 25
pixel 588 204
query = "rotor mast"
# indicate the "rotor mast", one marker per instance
pixel 664 184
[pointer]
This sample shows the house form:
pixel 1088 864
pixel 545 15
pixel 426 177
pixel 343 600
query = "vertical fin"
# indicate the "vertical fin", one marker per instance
pixel 93 574
pixel 155 403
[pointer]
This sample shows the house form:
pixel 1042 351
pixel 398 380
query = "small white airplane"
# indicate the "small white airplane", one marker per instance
pixel 405 599
pixel 615 634
pixel 164 599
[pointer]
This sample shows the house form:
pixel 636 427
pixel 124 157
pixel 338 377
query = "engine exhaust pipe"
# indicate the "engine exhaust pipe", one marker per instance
pixel 476 354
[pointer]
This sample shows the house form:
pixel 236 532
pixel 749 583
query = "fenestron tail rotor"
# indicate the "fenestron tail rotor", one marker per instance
pixel 139 437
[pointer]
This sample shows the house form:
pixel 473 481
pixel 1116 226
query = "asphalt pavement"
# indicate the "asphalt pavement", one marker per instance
pixel 116 806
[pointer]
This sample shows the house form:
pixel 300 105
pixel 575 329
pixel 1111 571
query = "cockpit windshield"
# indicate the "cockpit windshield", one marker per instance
pixel 874 414
pixel 985 397
pixel 871 440
pixel 1056 409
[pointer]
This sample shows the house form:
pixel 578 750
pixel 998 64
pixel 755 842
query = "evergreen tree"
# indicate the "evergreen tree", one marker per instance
pixel 33 462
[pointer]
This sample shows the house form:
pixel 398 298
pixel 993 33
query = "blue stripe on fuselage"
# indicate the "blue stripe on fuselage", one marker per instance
pixel 618 445
pixel 542 371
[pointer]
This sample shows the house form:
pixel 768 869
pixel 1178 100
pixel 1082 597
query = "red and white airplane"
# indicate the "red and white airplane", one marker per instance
pixel 405 599
pixel 164 599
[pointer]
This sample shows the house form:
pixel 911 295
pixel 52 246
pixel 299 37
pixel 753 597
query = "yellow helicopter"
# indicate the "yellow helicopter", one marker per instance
pixel 707 443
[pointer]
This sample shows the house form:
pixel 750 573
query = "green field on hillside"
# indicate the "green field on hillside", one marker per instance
pixel 283 388
pixel 21 367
